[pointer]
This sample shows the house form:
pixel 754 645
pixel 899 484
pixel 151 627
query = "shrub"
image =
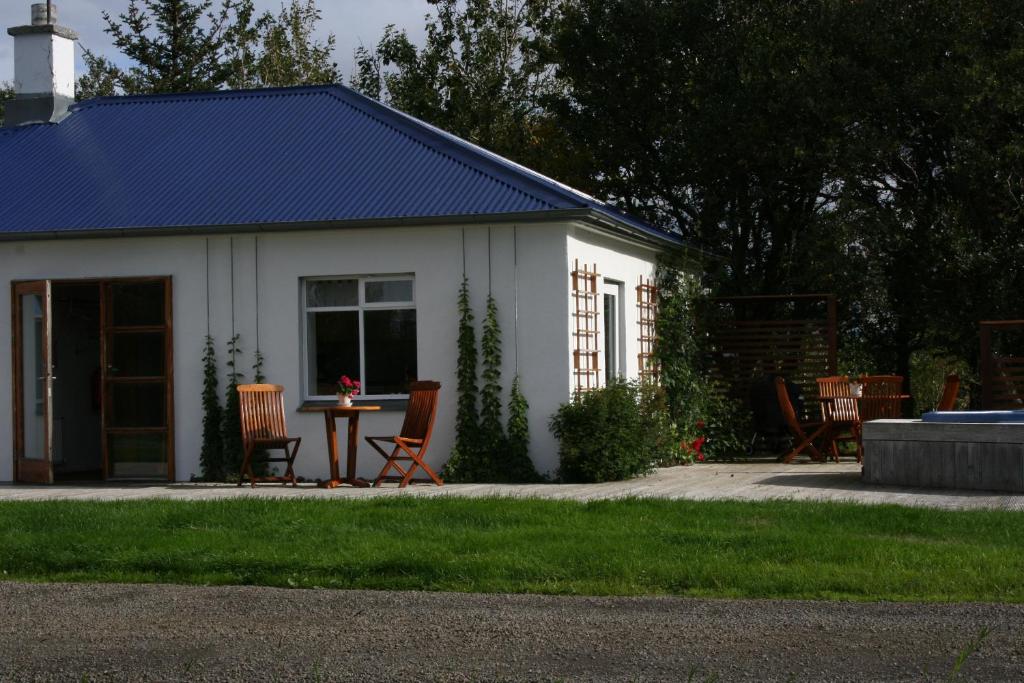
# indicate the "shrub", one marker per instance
pixel 613 433
pixel 928 370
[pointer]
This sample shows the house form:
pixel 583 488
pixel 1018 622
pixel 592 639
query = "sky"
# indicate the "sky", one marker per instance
pixel 353 22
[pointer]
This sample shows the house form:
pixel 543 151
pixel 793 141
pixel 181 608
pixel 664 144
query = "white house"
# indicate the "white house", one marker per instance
pixel 325 230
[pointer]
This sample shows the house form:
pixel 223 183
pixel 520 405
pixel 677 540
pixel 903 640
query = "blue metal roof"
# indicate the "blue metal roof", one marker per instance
pixel 284 156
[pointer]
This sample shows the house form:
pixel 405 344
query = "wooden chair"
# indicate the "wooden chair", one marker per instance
pixel 950 390
pixel 881 399
pixel 263 428
pixel 411 444
pixel 797 427
pixel 839 410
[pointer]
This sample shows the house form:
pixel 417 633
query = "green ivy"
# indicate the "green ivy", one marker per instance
pixel 211 457
pixel 681 351
pixel 492 434
pixel 517 465
pixel 231 425
pixel 461 465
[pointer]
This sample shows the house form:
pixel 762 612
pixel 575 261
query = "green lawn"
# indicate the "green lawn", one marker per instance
pixel 631 547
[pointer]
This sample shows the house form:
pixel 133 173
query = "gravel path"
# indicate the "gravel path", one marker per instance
pixel 166 633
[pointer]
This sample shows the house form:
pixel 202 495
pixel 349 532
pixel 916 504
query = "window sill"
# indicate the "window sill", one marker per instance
pixel 387 405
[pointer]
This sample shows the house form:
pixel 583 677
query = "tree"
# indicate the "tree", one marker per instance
pixel 188 46
pixel 173 46
pixel 282 51
pixel 6 93
pixel 477 76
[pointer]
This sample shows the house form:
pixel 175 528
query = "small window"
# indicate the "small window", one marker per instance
pixel 612 315
pixel 361 327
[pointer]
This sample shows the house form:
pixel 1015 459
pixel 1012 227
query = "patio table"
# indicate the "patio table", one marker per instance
pixel 846 413
pixel 331 414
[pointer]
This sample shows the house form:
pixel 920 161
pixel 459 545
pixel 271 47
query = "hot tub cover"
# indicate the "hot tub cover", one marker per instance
pixel 975 416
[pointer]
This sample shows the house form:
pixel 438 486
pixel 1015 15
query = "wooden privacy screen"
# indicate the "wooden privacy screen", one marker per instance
pixel 647 315
pixel 789 335
pixel 585 342
pixel 1002 364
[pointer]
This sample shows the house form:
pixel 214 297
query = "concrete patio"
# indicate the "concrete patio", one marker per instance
pixel 712 481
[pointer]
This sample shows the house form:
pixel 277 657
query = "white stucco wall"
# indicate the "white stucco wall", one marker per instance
pixel 622 261
pixel 433 255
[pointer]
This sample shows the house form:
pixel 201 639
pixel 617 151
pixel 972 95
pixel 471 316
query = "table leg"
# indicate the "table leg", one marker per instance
pixel 353 444
pixel 332 452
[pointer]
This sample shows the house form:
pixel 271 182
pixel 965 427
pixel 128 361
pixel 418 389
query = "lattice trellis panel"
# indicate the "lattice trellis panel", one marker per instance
pixel 586 356
pixel 647 315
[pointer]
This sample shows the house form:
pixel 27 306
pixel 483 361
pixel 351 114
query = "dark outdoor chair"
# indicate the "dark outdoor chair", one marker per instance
pixel 771 430
pixel 802 441
pixel 950 390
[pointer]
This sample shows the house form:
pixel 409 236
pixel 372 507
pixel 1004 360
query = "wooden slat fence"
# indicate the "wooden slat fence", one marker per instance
pixel 1002 364
pixel 791 335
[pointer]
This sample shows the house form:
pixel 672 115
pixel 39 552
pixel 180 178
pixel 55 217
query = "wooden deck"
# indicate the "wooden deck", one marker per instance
pixel 727 481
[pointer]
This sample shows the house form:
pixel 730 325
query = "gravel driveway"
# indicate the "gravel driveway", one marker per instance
pixel 162 633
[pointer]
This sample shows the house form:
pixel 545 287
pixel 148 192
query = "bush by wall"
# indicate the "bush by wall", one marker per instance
pixel 617 432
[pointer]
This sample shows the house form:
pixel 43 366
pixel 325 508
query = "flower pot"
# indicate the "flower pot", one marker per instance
pixel 345 400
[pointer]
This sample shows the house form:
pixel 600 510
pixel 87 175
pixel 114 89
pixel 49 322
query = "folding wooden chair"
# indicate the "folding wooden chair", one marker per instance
pixel 798 428
pixel 839 410
pixel 950 390
pixel 263 428
pixel 411 444
pixel 881 399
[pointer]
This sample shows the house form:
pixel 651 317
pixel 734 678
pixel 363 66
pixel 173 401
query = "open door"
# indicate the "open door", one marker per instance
pixel 33 382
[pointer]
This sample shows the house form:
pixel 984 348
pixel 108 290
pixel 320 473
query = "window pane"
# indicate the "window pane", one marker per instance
pixel 137 303
pixel 137 456
pixel 138 405
pixel 611 337
pixel 324 293
pixel 390 351
pixel 390 291
pixel 333 349
pixel 136 354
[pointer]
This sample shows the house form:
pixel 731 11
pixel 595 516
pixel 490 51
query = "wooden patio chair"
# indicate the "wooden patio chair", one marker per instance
pixel 881 399
pixel 950 390
pixel 263 428
pixel 411 444
pixel 801 440
pixel 839 410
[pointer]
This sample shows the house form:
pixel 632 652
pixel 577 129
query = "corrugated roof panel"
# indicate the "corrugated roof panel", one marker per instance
pixel 286 155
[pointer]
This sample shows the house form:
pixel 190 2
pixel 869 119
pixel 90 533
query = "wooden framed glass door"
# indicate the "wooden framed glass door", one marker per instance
pixel 137 406
pixel 33 382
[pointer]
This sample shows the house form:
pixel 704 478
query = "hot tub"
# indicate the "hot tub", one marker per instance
pixel 947 454
pixel 975 417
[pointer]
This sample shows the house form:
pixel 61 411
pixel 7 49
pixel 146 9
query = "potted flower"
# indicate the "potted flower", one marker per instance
pixel 347 388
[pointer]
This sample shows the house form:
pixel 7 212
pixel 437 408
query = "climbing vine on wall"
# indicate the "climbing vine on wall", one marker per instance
pixel 211 456
pixel 231 425
pixel 492 434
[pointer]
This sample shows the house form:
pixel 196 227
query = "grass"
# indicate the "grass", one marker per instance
pixel 629 547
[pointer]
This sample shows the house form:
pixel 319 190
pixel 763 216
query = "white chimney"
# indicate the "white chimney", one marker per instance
pixel 44 69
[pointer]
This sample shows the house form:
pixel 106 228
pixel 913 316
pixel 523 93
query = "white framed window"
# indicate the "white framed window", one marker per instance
pixel 613 353
pixel 360 326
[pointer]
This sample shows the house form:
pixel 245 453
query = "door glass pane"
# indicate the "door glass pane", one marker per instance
pixel 136 354
pixel 137 303
pixel 137 405
pixel 391 291
pixel 137 456
pixel 611 337
pixel 332 341
pixel 33 391
pixel 390 351
pixel 330 293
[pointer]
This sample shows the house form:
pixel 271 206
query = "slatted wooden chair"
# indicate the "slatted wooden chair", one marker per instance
pixel 263 428
pixel 881 399
pixel 950 390
pixel 411 444
pixel 840 410
pixel 801 440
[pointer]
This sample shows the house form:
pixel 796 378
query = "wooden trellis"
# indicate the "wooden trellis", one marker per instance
pixel 647 315
pixel 586 369
pixel 1002 364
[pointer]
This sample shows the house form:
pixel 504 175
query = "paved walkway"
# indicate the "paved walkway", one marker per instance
pixel 726 481
pixel 79 632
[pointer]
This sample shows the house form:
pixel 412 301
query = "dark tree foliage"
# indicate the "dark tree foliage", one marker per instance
pixel 478 75
pixel 6 93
